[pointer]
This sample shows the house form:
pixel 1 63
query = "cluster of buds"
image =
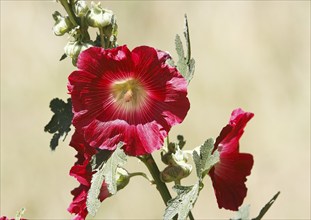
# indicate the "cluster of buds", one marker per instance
pixel 176 161
pixel 80 17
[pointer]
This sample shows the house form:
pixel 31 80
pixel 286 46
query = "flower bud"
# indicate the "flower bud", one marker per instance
pixel 62 24
pixel 123 178
pixel 73 49
pixel 175 172
pixel 98 17
pixel 166 158
pixel 81 8
pixel 171 147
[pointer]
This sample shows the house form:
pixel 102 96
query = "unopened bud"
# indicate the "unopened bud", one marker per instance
pixel 123 178
pixel 166 158
pixel 81 8
pixel 175 172
pixel 98 17
pixel 171 147
pixel 62 24
pixel 73 49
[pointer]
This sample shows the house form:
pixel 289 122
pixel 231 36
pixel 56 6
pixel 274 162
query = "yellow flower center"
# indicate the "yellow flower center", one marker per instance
pixel 128 94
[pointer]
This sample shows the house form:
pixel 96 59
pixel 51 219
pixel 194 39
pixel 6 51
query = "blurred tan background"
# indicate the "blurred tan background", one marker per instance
pixel 252 54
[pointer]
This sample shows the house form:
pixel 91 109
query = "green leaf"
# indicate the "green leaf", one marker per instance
pixel 60 122
pixel 191 66
pixel 267 207
pixel 107 172
pixel 64 56
pixel 243 213
pixel 181 63
pixel 118 158
pixel 204 159
pixel 20 214
pixel 187 37
pixel 185 64
pixel 170 62
pixel 183 202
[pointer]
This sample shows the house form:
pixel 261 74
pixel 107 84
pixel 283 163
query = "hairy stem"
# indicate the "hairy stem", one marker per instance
pixel 155 173
pixel 68 9
pixel 102 37
pixel 143 175
pixel 161 186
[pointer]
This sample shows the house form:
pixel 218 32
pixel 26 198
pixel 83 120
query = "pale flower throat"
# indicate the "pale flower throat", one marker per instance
pixel 128 94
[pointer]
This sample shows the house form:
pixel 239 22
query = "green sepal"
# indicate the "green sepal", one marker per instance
pixel 64 56
pixel 181 141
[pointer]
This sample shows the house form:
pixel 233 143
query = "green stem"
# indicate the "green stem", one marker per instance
pixel 143 175
pixel 83 28
pixel 102 37
pixel 177 182
pixel 71 15
pixel 155 173
pixel 167 140
pixel 161 186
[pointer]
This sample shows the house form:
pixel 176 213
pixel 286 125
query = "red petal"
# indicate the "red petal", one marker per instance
pixel 228 140
pixel 229 174
pixel 104 123
pixel 229 177
pixel 95 59
pixel 138 139
pixel 78 205
pixel 82 174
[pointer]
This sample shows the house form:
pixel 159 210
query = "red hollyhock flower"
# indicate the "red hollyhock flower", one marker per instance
pixel 129 96
pixel 83 173
pixel 229 174
pixel 6 218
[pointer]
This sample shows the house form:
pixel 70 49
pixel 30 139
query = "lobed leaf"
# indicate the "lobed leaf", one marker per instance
pixel 118 158
pixel 204 159
pixel 267 207
pixel 185 64
pixel 243 213
pixel 106 172
pixel 183 202
pixel 60 123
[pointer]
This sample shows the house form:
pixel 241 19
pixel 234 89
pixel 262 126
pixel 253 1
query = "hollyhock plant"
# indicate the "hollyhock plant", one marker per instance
pixel 229 175
pixel 124 103
pixel 82 171
pixel 129 96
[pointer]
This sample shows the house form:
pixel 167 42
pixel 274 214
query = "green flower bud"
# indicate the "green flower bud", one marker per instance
pixel 171 147
pixel 62 24
pixel 123 178
pixel 170 158
pixel 81 8
pixel 166 158
pixel 98 17
pixel 175 172
pixel 73 49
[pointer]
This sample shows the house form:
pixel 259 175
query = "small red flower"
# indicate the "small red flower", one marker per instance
pixel 6 218
pixel 229 174
pixel 83 173
pixel 129 96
